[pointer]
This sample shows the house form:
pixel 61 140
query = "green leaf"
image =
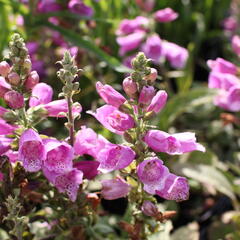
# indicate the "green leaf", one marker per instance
pixel 77 40
pixel 207 175
pixel 180 103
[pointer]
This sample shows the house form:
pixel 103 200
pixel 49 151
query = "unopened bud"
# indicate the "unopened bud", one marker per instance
pixel 152 76
pixel 126 108
pixel 149 209
pixel 14 99
pixel 13 78
pixel 128 137
pixel 10 117
pixel 129 86
pixel 4 68
pixel 149 115
pixel 27 64
pixel 32 80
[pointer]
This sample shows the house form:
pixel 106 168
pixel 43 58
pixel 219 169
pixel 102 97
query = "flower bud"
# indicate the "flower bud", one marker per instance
pixel 14 99
pixel 152 76
pixel 32 80
pixel 4 68
pixel 129 86
pixel 114 188
pixel 146 95
pixel 13 78
pixel 28 64
pixel 158 102
pixel 149 209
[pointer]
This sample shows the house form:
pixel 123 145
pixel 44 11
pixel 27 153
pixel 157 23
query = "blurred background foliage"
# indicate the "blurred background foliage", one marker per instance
pixel 212 210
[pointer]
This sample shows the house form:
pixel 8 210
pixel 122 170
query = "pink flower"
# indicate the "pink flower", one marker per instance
pixel 130 42
pixel 88 142
pixel 12 155
pixel 175 188
pixel 32 80
pixel 176 55
pixel 114 157
pixel 4 87
pixel 112 119
pixel 222 66
pixel 69 183
pixel 165 15
pixel 177 143
pixel 31 151
pixel 146 95
pixel 6 128
pixel 153 48
pixel 157 180
pixel 236 44
pixel 45 6
pixel 78 7
pixel 13 78
pixel 110 95
pixel 41 94
pixel 222 80
pixel 89 168
pixel 128 26
pixel 152 76
pixel 149 209
pixel 233 98
pixel 129 86
pixel 57 108
pixel 146 5
pixel 230 24
pixel 5 144
pixel 14 99
pixel 59 156
pixel 4 68
pixel 158 102
pixel 114 188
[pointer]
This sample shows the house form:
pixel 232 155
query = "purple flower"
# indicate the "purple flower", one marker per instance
pixel 112 119
pixel 14 99
pixel 4 87
pixel 45 6
pixel 177 143
pixel 57 108
pixel 129 86
pixel 146 95
pixel 5 144
pixel 69 183
pixel 89 168
pixel 110 95
pixel 59 156
pixel 78 7
pixel 149 209
pixel 153 48
pixel 88 142
pixel 157 180
pixel 114 157
pixel 32 47
pixel 176 55
pixel 222 80
pixel 4 68
pixel 128 26
pixel 222 66
pixel 32 80
pixel 41 94
pixel 6 128
pixel 114 188
pixel 31 151
pixel 130 42
pixel 175 188
pixel 230 24
pixel 158 102
pixel 234 98
pixel 165 15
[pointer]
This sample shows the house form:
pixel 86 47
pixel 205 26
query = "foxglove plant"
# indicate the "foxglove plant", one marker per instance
pixel 142 174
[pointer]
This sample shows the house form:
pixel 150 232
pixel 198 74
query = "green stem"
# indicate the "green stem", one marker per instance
pixel 70 120
pixel 23 115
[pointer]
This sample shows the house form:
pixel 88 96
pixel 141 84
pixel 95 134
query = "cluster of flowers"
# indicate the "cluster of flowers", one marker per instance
pixel 128 118
pixel 135 34
pixel 224 77
pixel 59 160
